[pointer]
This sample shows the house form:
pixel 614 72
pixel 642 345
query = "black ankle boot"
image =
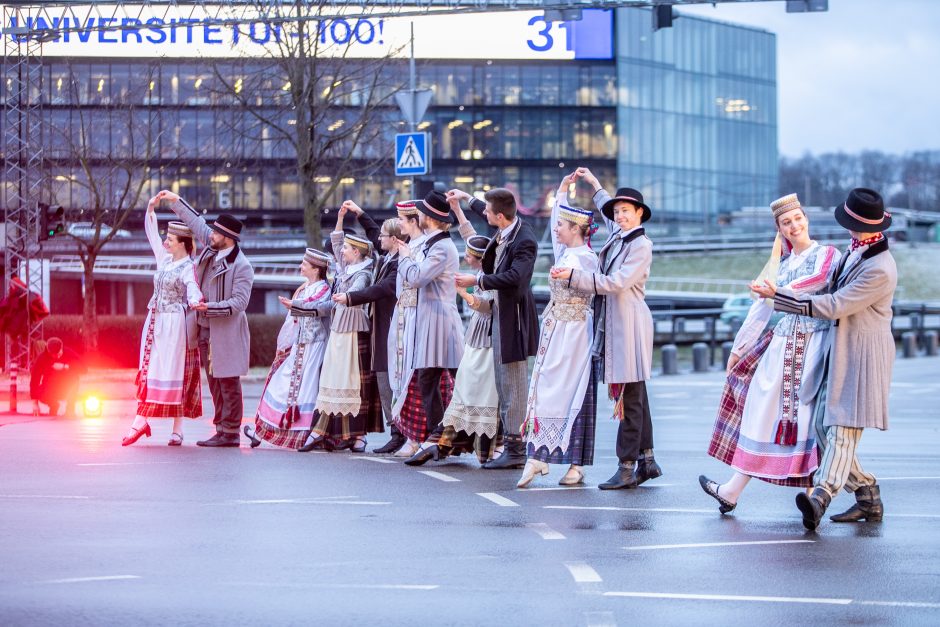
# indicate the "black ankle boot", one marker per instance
pixel 623 479
pixel 868 506
pixel 398 440
pixel 646 469
pixel 813 506
pixel 513 455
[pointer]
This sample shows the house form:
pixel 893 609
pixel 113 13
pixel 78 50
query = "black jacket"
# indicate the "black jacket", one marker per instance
pixel 381 294
pixel 47 382
pixel 518 318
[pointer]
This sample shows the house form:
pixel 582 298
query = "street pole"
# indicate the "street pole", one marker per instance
pixel 413 86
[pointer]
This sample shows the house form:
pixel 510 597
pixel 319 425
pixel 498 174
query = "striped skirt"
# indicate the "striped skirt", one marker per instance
pixel 369 419
pixel 285 438
pixel 412 420
pixel 191 407
pixel 581 445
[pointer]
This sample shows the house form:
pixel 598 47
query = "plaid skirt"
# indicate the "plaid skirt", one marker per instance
pixel 412 420
pixel 581 447
pixel 284 438
pixel 369 419
pixel 191 407
pixel 727 428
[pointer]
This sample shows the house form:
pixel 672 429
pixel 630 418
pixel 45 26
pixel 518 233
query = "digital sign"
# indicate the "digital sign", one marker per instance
pixel 201 31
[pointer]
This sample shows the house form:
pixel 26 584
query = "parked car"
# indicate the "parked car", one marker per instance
pixel 86 230
pixel 736 307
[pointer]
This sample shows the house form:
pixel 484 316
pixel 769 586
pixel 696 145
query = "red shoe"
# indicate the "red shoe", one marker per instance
pixel 127 441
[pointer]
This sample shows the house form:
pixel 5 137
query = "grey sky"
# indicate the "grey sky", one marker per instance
pixel 864 75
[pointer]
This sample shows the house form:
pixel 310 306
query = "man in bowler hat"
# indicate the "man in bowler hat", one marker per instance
pixel 225 277
pixel 853 394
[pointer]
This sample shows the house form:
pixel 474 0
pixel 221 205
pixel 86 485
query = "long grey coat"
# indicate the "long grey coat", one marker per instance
pixel 628 323
pixel 861 352
pixel 439 330
pixel 227 288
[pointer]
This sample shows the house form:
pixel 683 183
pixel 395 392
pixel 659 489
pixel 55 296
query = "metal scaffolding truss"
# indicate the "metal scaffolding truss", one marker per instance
pixel 23 173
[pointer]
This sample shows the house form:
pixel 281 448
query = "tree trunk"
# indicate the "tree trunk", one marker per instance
pixel 89 310
pixel 312 210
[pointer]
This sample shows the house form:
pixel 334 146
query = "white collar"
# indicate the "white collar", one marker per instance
pixel 356 267
pixel 623 234
pixel 222 254
pixel 431 233
pixel 508 230
pixel 414 242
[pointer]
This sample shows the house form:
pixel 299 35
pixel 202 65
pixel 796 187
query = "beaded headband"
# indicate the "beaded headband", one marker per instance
pixel 787 203
pixel 178 229
pixel 476 246
pixel 408 207
pixel 581 217
pixel 316 258
pixel 362 244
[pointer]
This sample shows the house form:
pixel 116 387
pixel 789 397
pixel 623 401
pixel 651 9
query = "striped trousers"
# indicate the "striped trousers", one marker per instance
pixel 512 385
pixel 838 463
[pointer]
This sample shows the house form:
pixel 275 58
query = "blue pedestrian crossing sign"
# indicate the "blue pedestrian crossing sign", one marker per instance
pixel 412 154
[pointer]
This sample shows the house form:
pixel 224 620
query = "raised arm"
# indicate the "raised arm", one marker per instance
pixel 188 216
pixel 561 198
pixel 372 229
pixel 336 243
pixel 152 229
pixel 600 197
pixel 464 227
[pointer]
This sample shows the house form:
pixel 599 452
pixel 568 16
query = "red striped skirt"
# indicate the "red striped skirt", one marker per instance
pixel 412 420
pixel 191 407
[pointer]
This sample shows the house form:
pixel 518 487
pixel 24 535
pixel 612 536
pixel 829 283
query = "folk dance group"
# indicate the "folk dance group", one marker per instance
pixel 384 337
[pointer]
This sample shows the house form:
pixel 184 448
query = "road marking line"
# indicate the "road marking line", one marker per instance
pixel 377 460
pixel 677 510
pixel 123 463
pixel 438 475
pixel 546 532
pixel 907 478
pixel 559 488
pixel 84 579
pixel 728 597
pixel 41 496
pixel 600 619
pixel 308 502
pixel 582 573
pixel 502 501
pixel 711 544
pixel 899 603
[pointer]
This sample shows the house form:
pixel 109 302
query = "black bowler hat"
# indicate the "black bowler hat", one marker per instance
pixel 863 212
pixel 435 206
pixel 630 195
pixel 227 225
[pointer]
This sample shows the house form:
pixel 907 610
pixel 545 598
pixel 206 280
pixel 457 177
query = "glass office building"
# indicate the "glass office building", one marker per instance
pixel 687 115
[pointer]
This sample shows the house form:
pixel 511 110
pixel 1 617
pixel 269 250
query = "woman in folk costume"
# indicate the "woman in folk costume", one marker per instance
pixel 764 426
pixel 471 419
pixel 623 327
pixel 286 411
pixel 381 297
pixel 348 401
pixel 168 377
pixel 439 343
pixel 561 411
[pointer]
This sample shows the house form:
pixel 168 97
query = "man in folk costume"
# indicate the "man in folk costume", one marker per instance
pixel 623 328
pixel 508 263
pixel 225 277
pixel 439 345
pixel 854 394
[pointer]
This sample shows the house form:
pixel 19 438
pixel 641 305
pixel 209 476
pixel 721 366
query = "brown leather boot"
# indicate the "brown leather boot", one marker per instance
pixel 868 506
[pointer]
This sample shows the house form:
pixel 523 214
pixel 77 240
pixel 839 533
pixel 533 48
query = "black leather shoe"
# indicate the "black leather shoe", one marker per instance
pixel 313 445
pixel 623 479
pixel 511 458
pixel 868 506
pixel 225 440
pixel 424 455
pixel 255 442
pixel 711 489
pixel 646 469
pixel 397 441
pixel 813 507
pixel 211 441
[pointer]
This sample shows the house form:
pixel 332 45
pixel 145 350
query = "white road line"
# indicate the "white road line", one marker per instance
pixel 438 475
pixel 711 544
pixel 123 463
pixel 582 573
pixel 546 532
pixel 502 501
pixel 41 496
pixel 600 619
pixel 377 460
pixel 308 502
pixel 728 597
pixel 899 603
pixel 84 579
pixel 907 478
pixel 559 488
pixel 677 510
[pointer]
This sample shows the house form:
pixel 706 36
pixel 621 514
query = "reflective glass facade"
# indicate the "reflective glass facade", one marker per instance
pixel 686 114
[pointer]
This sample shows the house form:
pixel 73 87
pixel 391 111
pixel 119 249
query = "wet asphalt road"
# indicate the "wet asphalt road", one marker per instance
pixel 93 533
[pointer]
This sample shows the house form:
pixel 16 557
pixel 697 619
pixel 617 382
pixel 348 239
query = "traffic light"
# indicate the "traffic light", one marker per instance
pixel 51 221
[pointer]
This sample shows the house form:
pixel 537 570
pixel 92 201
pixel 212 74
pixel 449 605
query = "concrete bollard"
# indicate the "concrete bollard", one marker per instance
pixel 909 344
pixel 930 343
pixel 700 357
pixel 679 325
pixel 670 359
pixel 726 353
